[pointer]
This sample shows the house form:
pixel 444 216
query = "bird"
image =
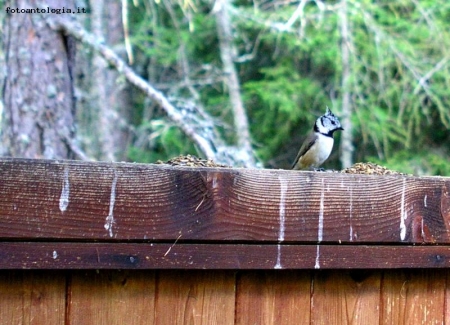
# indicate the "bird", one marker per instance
pixel 319 143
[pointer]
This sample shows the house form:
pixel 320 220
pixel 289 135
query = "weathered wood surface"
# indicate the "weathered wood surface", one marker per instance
pixel 72 200
pixel 341 298
pixel 35 255
pixel 412 296
pixel 195 298
pixel 224 297
pixel 115 298
pixel 273 298
pixel 68 214
pixel 32 298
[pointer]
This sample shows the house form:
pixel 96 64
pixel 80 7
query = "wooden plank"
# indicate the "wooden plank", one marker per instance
pixel 447 299
pixel 32 297
pixel 195 297
pixel 112 297
pixel 414 297
pixel 32 255
pixel 267 297
pixel 66 200
pixel 346 298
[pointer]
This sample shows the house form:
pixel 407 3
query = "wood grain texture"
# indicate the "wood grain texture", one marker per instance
pixel 414 297
pixel 346 298
pixel 225 297
pixel 447 298
pixel 112 298
pixel 195 298
pixel 265 297
pixel 32 298
pixel 31 255
pixel 67 200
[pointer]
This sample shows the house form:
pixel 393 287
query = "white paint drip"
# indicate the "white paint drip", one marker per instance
pixel 351 213
pixel 403 213
pixel 278 264
pixel 65 192
pixel 320 227
pixel 425 201
pixel 55 255
pixel 317 265
pixel 112 200
pixel 283 190
pixel 421 229
pixel 321 208
pixel 214 182
pixel 282 214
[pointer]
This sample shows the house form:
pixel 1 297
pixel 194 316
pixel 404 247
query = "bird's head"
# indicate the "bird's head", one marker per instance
pixel 327 124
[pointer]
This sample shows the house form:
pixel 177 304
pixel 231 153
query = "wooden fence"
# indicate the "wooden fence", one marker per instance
pixel 119 243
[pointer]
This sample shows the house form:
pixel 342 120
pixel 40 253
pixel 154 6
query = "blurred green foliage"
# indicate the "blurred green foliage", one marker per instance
pixel 400 76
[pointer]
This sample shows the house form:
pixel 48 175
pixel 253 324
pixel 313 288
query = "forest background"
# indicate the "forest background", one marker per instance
pixel 243 81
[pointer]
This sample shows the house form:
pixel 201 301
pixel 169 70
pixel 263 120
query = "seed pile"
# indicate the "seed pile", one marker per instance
pixel 369 169
pixel 358 168
pixel 191 161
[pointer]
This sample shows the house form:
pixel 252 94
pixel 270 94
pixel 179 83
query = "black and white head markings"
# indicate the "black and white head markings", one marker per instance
pixel 318 145
pixel 327 124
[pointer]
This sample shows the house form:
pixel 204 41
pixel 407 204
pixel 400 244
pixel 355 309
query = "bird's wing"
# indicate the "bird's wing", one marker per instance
pixel 307 144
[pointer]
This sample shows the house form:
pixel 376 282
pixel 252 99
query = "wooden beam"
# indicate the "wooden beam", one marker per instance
pixel 215 217
pixel 34 255
pixel 120 201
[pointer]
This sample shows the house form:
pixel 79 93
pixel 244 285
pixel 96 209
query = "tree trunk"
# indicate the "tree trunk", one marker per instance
pixel 110 98
pixel 227 51
pixel 103 124
pixel 118 93
pixel 347 137
pixel 38 96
